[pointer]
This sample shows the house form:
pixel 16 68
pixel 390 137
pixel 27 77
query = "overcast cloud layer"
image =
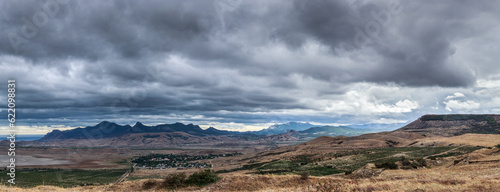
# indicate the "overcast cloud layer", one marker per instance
pixel 243 65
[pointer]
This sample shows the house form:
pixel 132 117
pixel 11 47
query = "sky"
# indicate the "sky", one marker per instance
pixel 244 65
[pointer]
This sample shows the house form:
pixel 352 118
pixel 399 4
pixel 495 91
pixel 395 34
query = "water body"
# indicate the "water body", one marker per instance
pixel 23 137
pixel 26 160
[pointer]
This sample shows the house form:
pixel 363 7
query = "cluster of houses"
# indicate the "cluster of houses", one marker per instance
pixel 177 166
pixel 169 161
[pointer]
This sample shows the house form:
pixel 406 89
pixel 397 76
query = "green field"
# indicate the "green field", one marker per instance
pixel 63 178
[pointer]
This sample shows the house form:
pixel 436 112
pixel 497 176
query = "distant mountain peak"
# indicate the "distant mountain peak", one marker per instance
pixel 292 131
pixel 138 124
pixel 104 123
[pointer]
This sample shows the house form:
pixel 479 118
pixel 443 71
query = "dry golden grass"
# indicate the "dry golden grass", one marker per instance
pixel 466 139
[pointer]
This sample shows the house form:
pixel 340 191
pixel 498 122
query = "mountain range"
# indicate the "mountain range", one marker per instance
pixel 107 129
pixel 111 134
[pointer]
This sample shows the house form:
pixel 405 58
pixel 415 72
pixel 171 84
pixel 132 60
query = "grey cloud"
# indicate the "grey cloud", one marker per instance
pixel 95 53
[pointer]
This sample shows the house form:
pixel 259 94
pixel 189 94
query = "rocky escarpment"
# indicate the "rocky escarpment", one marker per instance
pixel 452 125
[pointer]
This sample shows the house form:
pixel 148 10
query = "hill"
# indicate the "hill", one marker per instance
pixel 452 125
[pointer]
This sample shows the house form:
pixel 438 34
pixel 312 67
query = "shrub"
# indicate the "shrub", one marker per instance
pixel 421 162
pixel 497 146
pixel 387 165
pixel 149 184
pixel 202 178
pixel 406 162
pixel 304 176
pixel 175 180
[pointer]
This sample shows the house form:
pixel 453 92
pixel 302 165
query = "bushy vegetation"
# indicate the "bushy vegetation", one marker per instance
pixel 179 180
pixel 412 163
pixel 421 162
pixel 175 180
pixel 202 178
pixel 386 165
pixel 149 184
pixel 497 146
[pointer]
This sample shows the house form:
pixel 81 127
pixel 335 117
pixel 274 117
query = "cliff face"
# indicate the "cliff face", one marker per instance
pixel 452 125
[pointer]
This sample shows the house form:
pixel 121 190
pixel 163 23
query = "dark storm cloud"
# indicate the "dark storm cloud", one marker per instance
pixel 416 55
pixel 202 57
pixel 94 29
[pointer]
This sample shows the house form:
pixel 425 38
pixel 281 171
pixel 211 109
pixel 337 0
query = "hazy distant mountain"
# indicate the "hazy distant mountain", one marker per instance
pixel 314 132
pixel 380 126
pixel 283 128
pixel 334 131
